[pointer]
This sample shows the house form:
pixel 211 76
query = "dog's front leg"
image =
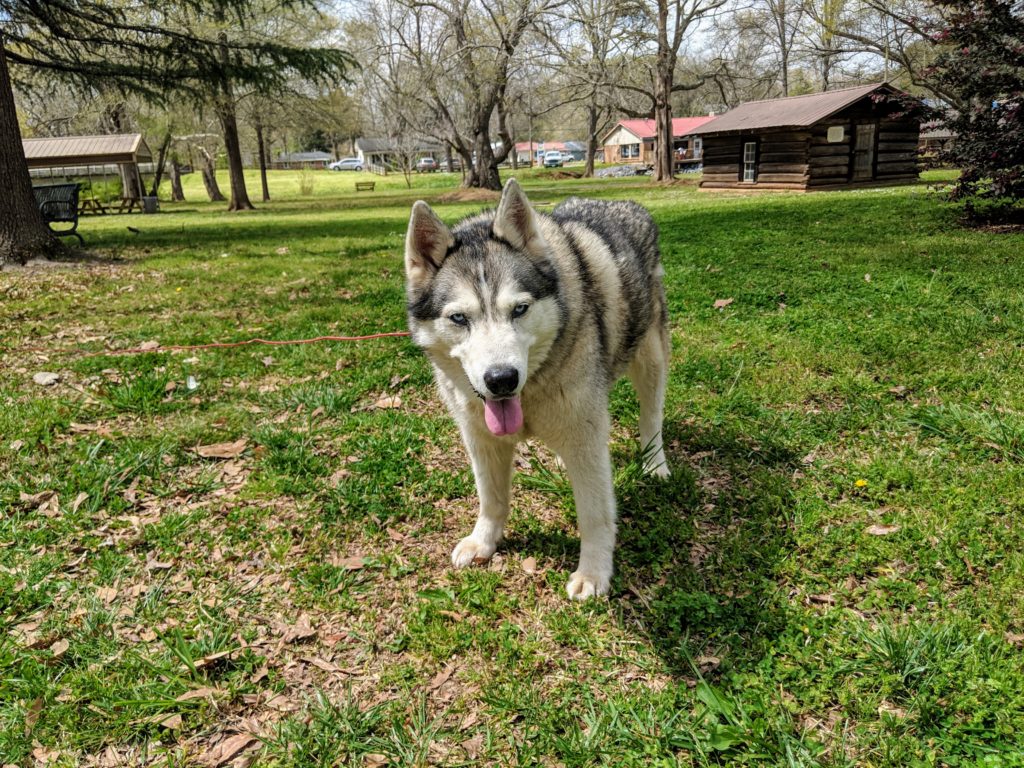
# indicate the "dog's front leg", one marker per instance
pixel 590 472
pixel 492 468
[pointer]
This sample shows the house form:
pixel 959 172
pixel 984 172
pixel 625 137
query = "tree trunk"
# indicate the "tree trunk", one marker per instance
pixel 592 118
pixel 177 193
pixel 262 148
pixel 664 160
pixel 23 235
pixel 209 171
pixel 232 147
pixel 161 159
pixel 448 156
pixel 484 172
pixel 229 127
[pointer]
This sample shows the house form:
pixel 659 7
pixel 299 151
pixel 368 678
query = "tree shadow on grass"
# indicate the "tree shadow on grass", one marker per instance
pixel 699 553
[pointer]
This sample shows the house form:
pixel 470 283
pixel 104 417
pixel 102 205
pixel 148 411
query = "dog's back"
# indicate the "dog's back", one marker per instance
pixel 611 251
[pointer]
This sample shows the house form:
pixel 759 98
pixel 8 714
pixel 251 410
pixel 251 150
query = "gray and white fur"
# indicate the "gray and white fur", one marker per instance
pixel 528 320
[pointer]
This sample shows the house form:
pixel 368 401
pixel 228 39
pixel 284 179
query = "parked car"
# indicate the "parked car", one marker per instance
pixel 426 165
pixel 346 164
pixel 456 164
pixel 553 159
pixel 567 158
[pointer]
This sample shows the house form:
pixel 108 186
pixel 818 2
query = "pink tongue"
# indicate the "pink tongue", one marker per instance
pixel 503 417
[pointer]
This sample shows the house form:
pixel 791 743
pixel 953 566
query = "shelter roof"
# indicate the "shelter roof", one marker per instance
pixel 86 150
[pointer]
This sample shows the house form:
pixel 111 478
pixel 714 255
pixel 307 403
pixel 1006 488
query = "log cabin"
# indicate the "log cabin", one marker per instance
pixel 852 137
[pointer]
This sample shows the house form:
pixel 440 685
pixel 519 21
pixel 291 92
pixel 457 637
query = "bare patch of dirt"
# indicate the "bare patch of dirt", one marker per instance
pixel 470 195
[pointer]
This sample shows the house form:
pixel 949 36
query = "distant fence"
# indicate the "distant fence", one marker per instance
pixel 380 170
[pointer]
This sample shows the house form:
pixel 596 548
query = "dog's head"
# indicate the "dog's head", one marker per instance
pixel 484 295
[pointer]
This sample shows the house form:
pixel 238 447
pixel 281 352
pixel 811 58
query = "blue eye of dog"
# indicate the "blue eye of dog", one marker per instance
pixel 520 310
pixel 458 318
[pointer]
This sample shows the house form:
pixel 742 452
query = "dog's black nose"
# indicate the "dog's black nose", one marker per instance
pixel 501 379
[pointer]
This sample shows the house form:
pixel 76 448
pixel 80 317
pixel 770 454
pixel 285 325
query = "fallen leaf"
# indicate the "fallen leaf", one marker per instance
pixel 388 401
pixel 80 499
pixel 59 648
pixel 222 450
pixel 867 277
pixel 881 530
pixel 44 755
pixel 32 715
pixel 474 746
pixel 149 345
pixel 212 657
pixel 441 677
pixel 282 251
pixel 46 378
pixel 171 722
pixel 267 361
pixel 17 445
pixel 722 303
pixel 35 499
pixel 374 760
pixel 199 693
pixel 708 663
pixel 300 630
pixel 822 599
pixel 530 565
pixel 106 594
pixel 350 563
pixel 225 750
pixel 281 703
pixel 1013 638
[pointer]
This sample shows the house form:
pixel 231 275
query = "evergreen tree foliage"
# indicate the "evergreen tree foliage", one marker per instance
pixel 983 64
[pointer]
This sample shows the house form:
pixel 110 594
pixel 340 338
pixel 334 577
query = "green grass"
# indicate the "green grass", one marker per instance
pixel 831 577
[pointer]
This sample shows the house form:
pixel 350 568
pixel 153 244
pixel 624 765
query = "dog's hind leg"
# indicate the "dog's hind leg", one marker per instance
pixel 649 373
pixel 492 468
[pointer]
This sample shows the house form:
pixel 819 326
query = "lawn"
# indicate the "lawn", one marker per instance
pixel 240 556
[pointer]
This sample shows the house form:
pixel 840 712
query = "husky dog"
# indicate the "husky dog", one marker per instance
pixel 528 321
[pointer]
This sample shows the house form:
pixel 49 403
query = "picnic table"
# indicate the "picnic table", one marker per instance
pixel 129 204
pixel 92 205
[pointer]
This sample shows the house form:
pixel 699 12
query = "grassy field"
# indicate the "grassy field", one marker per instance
pixel 239 556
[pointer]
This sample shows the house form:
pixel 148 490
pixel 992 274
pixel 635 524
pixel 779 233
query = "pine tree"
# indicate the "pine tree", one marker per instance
pixel 983 65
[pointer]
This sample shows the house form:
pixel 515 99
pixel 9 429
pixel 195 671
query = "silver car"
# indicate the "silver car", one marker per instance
pixel 346 164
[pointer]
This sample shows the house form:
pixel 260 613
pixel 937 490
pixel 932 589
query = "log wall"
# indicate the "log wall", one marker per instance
pixel 807 160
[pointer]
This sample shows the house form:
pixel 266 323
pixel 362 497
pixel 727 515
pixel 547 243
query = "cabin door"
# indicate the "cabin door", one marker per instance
pixel 864 152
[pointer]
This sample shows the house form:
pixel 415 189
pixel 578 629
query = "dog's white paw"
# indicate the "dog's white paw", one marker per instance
pixel 471 550
pixel 583 586
pixel 660 471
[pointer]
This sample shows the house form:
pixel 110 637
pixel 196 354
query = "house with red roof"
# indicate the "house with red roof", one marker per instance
pixel 632 141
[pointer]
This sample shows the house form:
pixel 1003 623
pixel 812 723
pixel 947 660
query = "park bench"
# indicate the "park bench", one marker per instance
pixel 365 186
pixel 58 203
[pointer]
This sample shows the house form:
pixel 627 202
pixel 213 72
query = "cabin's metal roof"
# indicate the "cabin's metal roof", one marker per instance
pixel 791 111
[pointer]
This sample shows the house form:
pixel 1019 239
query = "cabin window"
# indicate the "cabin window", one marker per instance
pixel 698 146
pixel 631 150
pixel 750 161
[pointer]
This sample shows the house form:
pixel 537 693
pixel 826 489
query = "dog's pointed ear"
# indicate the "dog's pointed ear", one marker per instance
pixel 515 220
pixel 426 245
